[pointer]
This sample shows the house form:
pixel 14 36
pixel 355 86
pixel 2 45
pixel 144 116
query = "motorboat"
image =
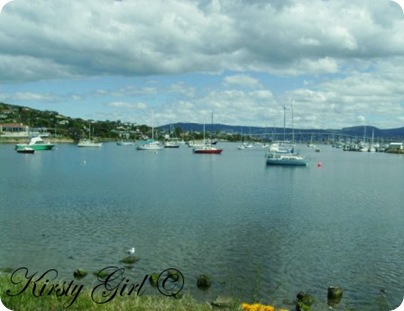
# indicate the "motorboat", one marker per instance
pixel 36 143
pixel 26 150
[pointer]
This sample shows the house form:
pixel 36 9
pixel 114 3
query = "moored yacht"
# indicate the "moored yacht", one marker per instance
pixel 36 143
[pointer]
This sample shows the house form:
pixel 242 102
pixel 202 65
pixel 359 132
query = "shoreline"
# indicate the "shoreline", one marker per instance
pixel 17 295
pixel 14 140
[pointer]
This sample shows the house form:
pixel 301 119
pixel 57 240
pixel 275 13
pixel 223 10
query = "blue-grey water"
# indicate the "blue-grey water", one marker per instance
pixel 261 233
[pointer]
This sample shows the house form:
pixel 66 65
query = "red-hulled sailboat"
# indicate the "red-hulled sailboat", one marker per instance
pixel 207 148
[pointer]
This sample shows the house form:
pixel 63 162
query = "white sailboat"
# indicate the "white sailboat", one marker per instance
pixel 150 144
pixel 89 142
pixel 282 153
pixel 372 147
pixel 364 147
pixel 171 142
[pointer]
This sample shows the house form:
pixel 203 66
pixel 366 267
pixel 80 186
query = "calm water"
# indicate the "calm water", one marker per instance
pixel 259 232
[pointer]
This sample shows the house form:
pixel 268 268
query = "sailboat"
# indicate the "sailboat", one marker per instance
pixel 171 142
pixel 364 147
pixel 207 148
pixel 283 155
pixel 89 142
pixel 150 144
pixel 372 147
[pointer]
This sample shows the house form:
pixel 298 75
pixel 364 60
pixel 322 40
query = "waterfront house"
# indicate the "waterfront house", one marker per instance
pixel 14 130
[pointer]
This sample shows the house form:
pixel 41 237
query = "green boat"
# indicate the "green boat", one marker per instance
pixel 36 143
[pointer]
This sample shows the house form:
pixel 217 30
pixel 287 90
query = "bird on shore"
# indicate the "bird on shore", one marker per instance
pixel 131 251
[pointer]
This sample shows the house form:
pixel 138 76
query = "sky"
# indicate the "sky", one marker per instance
pixel 326 64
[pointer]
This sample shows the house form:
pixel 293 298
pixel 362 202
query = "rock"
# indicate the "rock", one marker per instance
pixel 334 295
pixel 153 279
pixel 173 274
pixel 203 282
pixel 130 260
pixel 304 301
pixel 79 273
pixel 102 274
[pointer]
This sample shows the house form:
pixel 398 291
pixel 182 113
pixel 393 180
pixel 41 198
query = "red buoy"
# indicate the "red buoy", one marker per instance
pixel 319 164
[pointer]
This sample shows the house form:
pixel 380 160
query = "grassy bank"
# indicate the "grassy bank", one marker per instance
pixel 26 300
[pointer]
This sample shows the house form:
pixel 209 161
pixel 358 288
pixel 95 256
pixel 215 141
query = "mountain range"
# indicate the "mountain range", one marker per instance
pixel 276 133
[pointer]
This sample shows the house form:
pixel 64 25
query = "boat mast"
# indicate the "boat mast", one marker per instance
pixel 293 132
pixel 364 133
pixel 204 140
pixel 284 123
pixel 152 126
pixel 211 130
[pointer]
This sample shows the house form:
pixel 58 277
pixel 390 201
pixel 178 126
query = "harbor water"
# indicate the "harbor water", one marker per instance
pixel 262 233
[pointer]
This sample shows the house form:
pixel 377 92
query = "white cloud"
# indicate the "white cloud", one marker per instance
pixel 30 97
pixel 361 119
pixel 242 59
pixel 125 105
pixel 242 80
pixel 94 37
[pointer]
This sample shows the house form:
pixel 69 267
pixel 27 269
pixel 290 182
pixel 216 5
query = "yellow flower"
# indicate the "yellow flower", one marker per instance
pixel 259 307
pixel 255 307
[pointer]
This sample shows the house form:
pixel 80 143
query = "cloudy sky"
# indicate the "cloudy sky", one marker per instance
pixel 333 63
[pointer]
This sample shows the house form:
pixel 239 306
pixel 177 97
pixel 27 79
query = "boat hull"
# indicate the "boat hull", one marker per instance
pixel 149 147
pixel 89 145
pixel 125 143
pixel 287 162
pixel 26 150
pixel 150 144
pixel 172 146
pixel 35 147
pixel 285 159
pixel 207 150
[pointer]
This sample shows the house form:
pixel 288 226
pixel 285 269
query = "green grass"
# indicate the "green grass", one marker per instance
pixel 27 301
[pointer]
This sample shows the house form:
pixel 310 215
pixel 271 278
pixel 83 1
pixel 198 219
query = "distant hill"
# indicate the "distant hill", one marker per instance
pixel 276 133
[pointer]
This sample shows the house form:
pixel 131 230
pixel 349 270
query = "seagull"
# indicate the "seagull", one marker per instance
pixel 131 251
